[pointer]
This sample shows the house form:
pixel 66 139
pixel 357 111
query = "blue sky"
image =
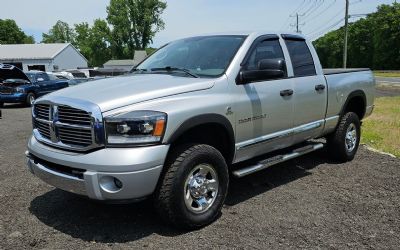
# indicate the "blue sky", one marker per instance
pixel 185 18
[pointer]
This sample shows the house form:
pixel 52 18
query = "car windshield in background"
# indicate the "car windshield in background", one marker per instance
pixel 31 77
pixel 206 56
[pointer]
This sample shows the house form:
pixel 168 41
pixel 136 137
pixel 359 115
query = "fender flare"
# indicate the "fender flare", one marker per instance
pixel 202 120
pixel 356 93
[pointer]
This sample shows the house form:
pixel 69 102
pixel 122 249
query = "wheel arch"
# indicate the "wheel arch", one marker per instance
pixel 215 125
pixel 356 102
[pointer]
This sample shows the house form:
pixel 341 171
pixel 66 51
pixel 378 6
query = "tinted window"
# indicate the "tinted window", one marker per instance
pixel 268 49
pixel 303 63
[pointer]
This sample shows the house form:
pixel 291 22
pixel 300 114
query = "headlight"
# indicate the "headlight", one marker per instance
pixel 133 128
pixel 20 90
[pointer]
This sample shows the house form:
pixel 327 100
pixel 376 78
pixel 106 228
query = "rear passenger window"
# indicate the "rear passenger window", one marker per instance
pixel 268 49
pixel 303 63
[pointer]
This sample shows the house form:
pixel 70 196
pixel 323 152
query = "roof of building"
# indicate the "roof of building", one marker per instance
pixel 120 63
pixel 140 55
pixel 33 51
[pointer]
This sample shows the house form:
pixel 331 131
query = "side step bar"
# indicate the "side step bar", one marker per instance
pixel 277 159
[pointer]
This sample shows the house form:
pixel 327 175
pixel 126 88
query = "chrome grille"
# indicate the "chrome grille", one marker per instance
pixel 67 127
pixel 75 136
pixel 42 111
pixel 73 116
pixel 43 128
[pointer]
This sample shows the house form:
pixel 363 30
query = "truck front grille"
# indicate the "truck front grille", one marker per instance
pixel 42 111
pixel 64 126
pixel 43 128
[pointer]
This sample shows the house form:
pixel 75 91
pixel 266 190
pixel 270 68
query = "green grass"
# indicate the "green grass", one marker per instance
pixel 387 74
pixel 382 129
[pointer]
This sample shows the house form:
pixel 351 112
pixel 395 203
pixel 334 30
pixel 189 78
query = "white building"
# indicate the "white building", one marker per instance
pixel 44 57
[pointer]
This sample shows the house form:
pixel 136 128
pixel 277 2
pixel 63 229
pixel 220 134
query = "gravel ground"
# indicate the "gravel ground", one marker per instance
pixel 309 202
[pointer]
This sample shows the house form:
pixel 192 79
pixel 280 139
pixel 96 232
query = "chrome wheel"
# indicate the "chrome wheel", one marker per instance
pixel 351 138
pixel 201 188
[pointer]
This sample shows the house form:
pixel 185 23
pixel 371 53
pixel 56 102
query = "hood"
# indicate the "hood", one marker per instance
pixel 11 72
pixel 14 83
pixel 117 92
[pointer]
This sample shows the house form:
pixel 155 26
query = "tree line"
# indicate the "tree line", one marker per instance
pixel 374 42
pixel 130 25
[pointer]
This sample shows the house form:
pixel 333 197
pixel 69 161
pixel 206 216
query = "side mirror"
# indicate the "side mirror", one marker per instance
pixel 268 69
pixel 40 79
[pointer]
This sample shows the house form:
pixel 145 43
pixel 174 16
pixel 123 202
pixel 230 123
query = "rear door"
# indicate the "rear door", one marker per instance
pixel 263 116
pixel 310 91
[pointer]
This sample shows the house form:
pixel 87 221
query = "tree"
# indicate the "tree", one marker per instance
pixel 10 33
pixel 373 41
pixel 134 23
pixel 94 42
pixel 59 33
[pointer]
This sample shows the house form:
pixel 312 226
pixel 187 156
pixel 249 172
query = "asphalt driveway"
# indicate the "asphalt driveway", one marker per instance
pixel 309 202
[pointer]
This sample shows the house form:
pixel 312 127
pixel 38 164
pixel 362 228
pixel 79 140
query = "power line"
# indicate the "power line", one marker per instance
pixel 288 18
pixel 330 20
pixel 319 3
pixel 327 29
pixel 322 12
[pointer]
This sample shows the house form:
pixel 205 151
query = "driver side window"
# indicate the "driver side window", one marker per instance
pixel 267 49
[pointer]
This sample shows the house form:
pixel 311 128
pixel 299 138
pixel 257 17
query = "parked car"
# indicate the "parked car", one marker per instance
pixel 193 112
pixel 19 87
pixel 72 79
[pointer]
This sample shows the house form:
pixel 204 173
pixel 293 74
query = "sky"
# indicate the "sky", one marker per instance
pixel 192 17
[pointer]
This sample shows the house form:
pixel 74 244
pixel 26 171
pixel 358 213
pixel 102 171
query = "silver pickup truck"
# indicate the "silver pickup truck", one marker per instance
pixel 177 127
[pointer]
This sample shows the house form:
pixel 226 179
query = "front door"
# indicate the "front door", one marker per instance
pixel 263 115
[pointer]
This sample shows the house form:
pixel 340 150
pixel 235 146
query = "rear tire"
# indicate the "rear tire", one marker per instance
pixel 1 104
pixel 193 188
pixel 343 143
pixel 30 99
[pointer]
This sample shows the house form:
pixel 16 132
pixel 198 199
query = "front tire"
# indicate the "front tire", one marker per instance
pixel 30 99
pixel 343 143
pixel 193 187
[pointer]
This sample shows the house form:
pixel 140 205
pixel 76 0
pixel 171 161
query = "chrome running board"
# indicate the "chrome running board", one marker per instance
pixel 277 159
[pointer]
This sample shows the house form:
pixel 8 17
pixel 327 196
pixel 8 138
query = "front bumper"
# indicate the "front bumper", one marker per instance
pixel 105 174
pixel 13 98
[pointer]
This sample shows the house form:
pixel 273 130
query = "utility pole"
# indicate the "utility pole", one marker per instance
pixel 346 34
pixel 298 24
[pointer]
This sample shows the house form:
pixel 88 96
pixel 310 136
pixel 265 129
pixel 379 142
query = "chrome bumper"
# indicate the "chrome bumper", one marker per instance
pixel 86 174
pixel 62 181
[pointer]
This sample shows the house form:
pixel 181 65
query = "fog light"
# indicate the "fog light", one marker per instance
pixel 110 184
pixel 117 183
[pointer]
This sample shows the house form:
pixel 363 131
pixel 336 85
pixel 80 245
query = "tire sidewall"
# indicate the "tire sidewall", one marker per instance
pixel 28 101
pixel 216 160
pixel 352 118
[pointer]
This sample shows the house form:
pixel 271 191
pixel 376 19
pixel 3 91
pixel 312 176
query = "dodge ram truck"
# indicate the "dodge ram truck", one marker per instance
pixel 19 87
pixel 194 114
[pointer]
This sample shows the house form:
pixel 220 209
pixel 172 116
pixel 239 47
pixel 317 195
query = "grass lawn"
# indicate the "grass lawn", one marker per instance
pixel 382 129
pixel 387 74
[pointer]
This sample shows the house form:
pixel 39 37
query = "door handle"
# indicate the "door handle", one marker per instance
pixel 319 87
pixel 287 92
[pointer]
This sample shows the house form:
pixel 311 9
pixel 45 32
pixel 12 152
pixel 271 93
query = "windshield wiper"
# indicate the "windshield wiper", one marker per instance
pixel 170 69
pixel 136 70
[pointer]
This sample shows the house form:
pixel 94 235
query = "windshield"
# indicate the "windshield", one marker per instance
pixel 31 76
pixel 207 56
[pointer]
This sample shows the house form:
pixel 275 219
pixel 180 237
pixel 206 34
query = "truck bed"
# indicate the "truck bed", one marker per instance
pixel 342 71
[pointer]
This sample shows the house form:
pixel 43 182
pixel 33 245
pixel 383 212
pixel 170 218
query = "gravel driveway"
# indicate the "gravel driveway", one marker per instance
pixel 309 202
